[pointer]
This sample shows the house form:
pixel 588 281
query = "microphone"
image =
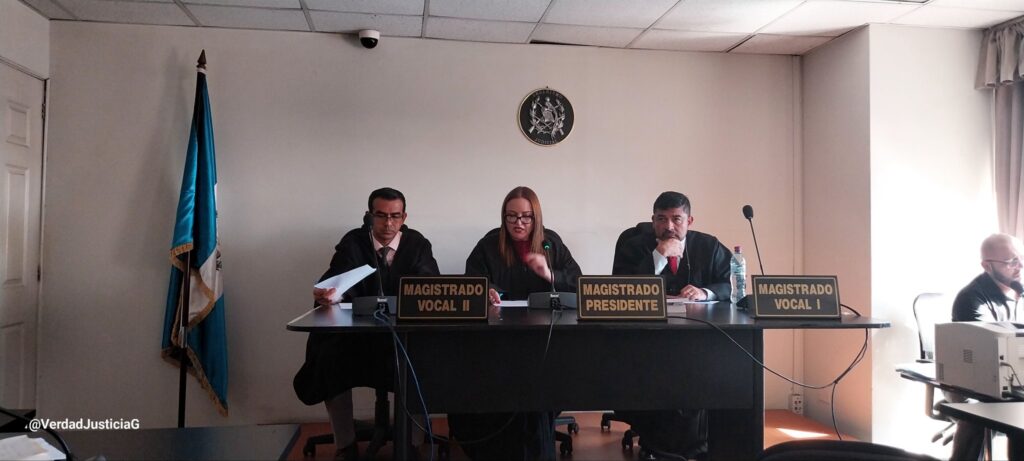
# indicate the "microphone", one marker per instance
pixel 748 212
pixel 382 302
pixel 556 303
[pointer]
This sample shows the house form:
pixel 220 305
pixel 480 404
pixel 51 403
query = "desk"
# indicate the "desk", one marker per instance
pixel 193 443
pixel 1005 417
pixel 924 372
pixel 590 365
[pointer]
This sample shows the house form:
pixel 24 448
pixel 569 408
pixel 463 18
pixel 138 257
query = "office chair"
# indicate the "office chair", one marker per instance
pixel 609 416
pixel 837 450
pixel 929 309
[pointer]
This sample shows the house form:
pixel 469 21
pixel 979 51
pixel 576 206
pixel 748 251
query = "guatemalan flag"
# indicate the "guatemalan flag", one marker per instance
pixel 195 232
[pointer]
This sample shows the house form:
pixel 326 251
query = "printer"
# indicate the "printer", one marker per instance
pixel 984 357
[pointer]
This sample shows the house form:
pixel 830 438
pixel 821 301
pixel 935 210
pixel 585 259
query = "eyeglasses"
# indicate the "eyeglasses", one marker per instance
pixel 677 220
pixel 385 217
pixel 526 218
pixel 1015 262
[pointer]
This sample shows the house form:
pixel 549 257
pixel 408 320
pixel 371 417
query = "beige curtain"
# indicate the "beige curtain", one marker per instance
pixel 1000 68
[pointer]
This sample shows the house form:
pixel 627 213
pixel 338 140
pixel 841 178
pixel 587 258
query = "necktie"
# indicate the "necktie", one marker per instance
pixel 673 264
pixel 383 252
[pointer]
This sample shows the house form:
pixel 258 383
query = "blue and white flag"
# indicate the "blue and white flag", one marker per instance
pixel 195 232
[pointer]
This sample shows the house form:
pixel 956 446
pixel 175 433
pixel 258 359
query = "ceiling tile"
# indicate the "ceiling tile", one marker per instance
pixel 128 12
pixel 687 41
pixel 249 18
pixel 501 10
pixel 249 3
pixel 740 16
pixel 939 16
pixel 584 35
pixel 1005 5
pixel 479 31
pixel 833 18
pixel 410 7
pixel 48 8
pixel 398 26
pixel 607 13
pixel 781 44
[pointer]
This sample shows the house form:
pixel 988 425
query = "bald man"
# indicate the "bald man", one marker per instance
pixel 993 296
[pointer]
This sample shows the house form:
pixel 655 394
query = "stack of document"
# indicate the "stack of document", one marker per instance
pixel 23 447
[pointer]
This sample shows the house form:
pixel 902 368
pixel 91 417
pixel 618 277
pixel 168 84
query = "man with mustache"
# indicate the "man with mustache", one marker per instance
pixel 694 265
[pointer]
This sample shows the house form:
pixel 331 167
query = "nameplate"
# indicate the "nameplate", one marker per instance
pixel 602 297
pixel 442 298
pixel 796 296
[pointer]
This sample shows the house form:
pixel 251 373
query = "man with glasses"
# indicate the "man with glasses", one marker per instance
pixel 694 265
pixel 993 296
pixel 337 363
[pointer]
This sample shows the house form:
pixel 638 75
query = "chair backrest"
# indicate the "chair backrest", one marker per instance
pixel 639 228
pixel 836 450
pixel 929 309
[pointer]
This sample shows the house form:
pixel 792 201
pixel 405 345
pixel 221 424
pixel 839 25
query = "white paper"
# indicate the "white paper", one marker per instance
pixel 518 303
pixel 23 447
pixel 342 282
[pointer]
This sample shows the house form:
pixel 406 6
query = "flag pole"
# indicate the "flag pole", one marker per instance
pixel 182 338
pixel 183 310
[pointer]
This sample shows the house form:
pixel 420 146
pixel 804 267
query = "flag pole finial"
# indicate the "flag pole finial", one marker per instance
pixel 202 60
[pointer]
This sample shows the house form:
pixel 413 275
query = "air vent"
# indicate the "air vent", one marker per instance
pixel 968 356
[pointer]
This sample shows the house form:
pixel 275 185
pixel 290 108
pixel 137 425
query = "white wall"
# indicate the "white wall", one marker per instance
pixel 931 200
pixel 837 217
pixel 24 38
pixel 306 125
pixel 898 196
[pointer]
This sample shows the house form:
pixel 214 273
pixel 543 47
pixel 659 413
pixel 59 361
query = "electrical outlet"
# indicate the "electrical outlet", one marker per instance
pixel 796 403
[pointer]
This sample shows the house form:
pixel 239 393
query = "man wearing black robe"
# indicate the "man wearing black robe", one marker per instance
pixel 694 265
pixel 335 363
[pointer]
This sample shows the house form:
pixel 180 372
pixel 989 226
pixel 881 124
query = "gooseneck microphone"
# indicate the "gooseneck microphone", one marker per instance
pixel 748 212
pixel 556 302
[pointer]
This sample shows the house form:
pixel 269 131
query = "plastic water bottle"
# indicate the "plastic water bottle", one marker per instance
pixel 738 275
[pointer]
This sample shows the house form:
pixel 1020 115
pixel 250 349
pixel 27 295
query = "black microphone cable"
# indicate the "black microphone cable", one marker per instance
pixel 833 383
pixel 53 433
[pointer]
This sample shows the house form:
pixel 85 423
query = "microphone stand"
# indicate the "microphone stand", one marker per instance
pixel 556 301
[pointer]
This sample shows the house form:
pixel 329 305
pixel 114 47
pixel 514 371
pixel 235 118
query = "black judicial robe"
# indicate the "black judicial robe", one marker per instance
pixel 336 363
pixel 518 281
pixel 524 435
pixel 705 263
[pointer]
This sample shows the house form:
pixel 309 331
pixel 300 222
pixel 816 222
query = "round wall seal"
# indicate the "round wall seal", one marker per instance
pixel 546 117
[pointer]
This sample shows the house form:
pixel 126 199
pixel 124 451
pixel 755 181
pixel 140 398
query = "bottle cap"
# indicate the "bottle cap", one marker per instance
pixel 737 249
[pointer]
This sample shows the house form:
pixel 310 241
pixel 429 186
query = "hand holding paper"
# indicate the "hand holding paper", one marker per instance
pixel 339 284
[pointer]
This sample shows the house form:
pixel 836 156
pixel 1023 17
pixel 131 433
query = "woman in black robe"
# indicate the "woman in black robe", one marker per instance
pixel 514 258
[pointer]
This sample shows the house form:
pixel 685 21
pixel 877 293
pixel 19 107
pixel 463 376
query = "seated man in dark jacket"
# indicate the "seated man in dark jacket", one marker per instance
pixel 694 265
pixel 335 363
pixel 993 296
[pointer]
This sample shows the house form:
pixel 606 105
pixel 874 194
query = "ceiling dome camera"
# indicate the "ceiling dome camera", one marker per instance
pixel 369 38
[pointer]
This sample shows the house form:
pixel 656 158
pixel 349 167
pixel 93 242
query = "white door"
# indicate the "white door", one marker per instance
pixel 21 154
